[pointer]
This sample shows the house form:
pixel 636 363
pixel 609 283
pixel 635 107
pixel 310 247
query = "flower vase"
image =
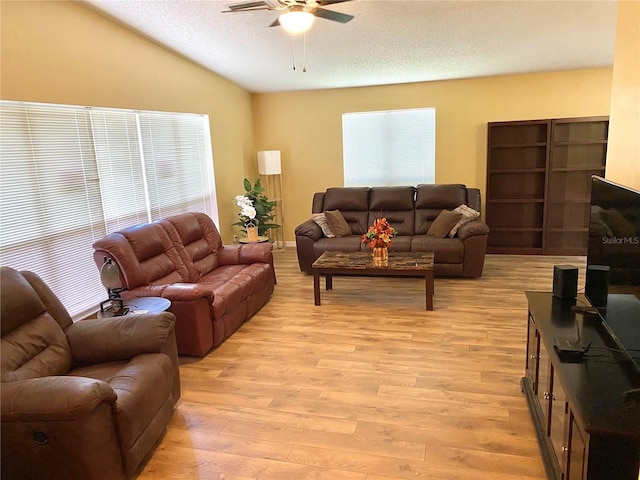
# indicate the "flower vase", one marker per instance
pixel 252 234
pixel 380 255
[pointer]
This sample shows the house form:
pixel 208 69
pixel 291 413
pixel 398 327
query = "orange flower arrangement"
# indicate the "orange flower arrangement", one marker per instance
pixel 379 234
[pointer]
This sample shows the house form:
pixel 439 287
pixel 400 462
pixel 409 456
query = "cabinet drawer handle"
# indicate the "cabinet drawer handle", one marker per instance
pixel 545 395
pixel 565 449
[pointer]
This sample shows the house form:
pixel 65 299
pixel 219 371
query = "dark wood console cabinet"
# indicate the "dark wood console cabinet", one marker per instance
pixel 586 428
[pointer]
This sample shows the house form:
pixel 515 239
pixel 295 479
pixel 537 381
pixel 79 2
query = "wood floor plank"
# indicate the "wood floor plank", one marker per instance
pixel 367 386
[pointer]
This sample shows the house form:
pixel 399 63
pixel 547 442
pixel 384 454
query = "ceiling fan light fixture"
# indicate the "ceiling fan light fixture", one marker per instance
pixel 296 21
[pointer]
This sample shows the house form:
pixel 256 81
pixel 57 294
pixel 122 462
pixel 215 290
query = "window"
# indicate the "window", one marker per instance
pixel 395 147
pixel 69 175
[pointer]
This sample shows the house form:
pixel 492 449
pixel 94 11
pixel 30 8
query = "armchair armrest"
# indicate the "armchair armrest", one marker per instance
pixel 309 229
pixel 119 338
pixel 54 398
pixel 472 229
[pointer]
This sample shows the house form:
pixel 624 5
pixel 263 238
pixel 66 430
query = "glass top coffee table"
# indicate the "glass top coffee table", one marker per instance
pixel 405 264
pixel 138 306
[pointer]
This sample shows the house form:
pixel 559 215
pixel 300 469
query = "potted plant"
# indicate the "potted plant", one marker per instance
pixel 256 208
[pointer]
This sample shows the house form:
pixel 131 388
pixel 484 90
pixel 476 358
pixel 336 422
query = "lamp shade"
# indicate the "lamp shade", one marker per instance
pixel 269 162
pixel 110 274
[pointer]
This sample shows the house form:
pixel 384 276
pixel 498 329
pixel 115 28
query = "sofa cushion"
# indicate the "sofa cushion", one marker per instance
pixel 431 199
pixel 37 348
pixel 146 256
pixel 337 223
pixel 347 199
pixel 351 243
pixel 20 302
pixel 440 196
pixel 443 223
pixel 196 239
pixel 401 243
pixel 396 205
pixel 466 215
pixel 391 198
pixel 446 250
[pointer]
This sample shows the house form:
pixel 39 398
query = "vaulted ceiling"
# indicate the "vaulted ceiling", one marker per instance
pixel 388 41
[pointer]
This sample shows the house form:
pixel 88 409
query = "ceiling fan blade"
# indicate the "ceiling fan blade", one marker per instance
pixel 252 6
pixel 330 2
pixel 333 16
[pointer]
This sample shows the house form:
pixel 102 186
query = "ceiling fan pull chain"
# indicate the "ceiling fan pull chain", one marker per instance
pixel 304 52
pixel 293 59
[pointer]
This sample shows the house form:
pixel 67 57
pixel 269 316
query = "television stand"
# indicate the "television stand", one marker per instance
pixel 587 427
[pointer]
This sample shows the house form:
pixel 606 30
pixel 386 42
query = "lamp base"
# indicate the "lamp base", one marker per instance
pixel 112 305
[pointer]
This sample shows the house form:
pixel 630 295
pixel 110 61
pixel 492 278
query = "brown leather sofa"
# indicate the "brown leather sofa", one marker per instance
pixel 213 288
pixel 411 211
pixel 86 400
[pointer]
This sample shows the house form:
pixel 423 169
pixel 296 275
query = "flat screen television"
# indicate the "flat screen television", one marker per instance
pixel 613 262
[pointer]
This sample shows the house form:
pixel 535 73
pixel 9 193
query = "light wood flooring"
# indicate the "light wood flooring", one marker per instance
pixel 368 386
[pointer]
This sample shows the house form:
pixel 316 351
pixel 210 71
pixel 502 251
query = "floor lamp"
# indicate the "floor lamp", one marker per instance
pixel 270 172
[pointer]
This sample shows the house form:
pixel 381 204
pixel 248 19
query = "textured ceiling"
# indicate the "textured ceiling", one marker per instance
pixel 388 41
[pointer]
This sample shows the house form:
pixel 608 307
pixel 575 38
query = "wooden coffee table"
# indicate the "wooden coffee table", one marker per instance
pixel 404 264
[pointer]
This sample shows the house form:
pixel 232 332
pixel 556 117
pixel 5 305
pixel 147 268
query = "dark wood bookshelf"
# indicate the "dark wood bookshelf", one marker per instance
pixel 538 183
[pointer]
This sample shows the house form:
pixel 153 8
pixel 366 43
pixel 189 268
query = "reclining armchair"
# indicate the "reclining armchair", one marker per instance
pixel 86 400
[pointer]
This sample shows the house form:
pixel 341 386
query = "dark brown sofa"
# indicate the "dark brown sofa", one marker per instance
pixel 86 400
pixel 411 211
pixel 213 288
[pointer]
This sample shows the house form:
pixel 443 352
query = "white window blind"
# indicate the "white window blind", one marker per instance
pixel 395 147
pixel 116 140
pixel 69 175
pixel 178 181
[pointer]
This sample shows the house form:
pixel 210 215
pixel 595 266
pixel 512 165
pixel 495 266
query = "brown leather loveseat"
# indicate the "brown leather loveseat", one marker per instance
pixel 213 288
pixel 411 211
pixel 86 400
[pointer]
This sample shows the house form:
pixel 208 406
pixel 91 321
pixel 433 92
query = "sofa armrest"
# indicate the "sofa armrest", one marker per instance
pixel 118 338
pixel 309 229
pixel 54 398
pixel 472 229
pixel 176 292
pixel 247 253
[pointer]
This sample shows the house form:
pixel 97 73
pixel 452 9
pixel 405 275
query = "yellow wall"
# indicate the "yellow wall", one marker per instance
pixel 64 52
pixel 623 154
pixel 307 126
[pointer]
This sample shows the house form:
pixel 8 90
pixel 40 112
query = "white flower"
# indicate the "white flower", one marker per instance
pixel 243 201
pixel 248 211
pixel 246 204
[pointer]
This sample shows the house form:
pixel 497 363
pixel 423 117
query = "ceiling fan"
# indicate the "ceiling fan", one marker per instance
pixel 297 15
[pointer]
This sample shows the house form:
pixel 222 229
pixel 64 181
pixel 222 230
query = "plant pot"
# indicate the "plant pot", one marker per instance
pixel 252 234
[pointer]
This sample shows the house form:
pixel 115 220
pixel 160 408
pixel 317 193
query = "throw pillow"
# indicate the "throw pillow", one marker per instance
pixel 322 222
pixel 468 214
pixel 443 223
pixel 337 223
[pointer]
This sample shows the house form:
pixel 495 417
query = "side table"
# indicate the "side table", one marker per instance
pixel 260 240
pixel 138 306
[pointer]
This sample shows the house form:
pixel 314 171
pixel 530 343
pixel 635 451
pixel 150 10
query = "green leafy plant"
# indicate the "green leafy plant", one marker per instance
pixel 264 215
